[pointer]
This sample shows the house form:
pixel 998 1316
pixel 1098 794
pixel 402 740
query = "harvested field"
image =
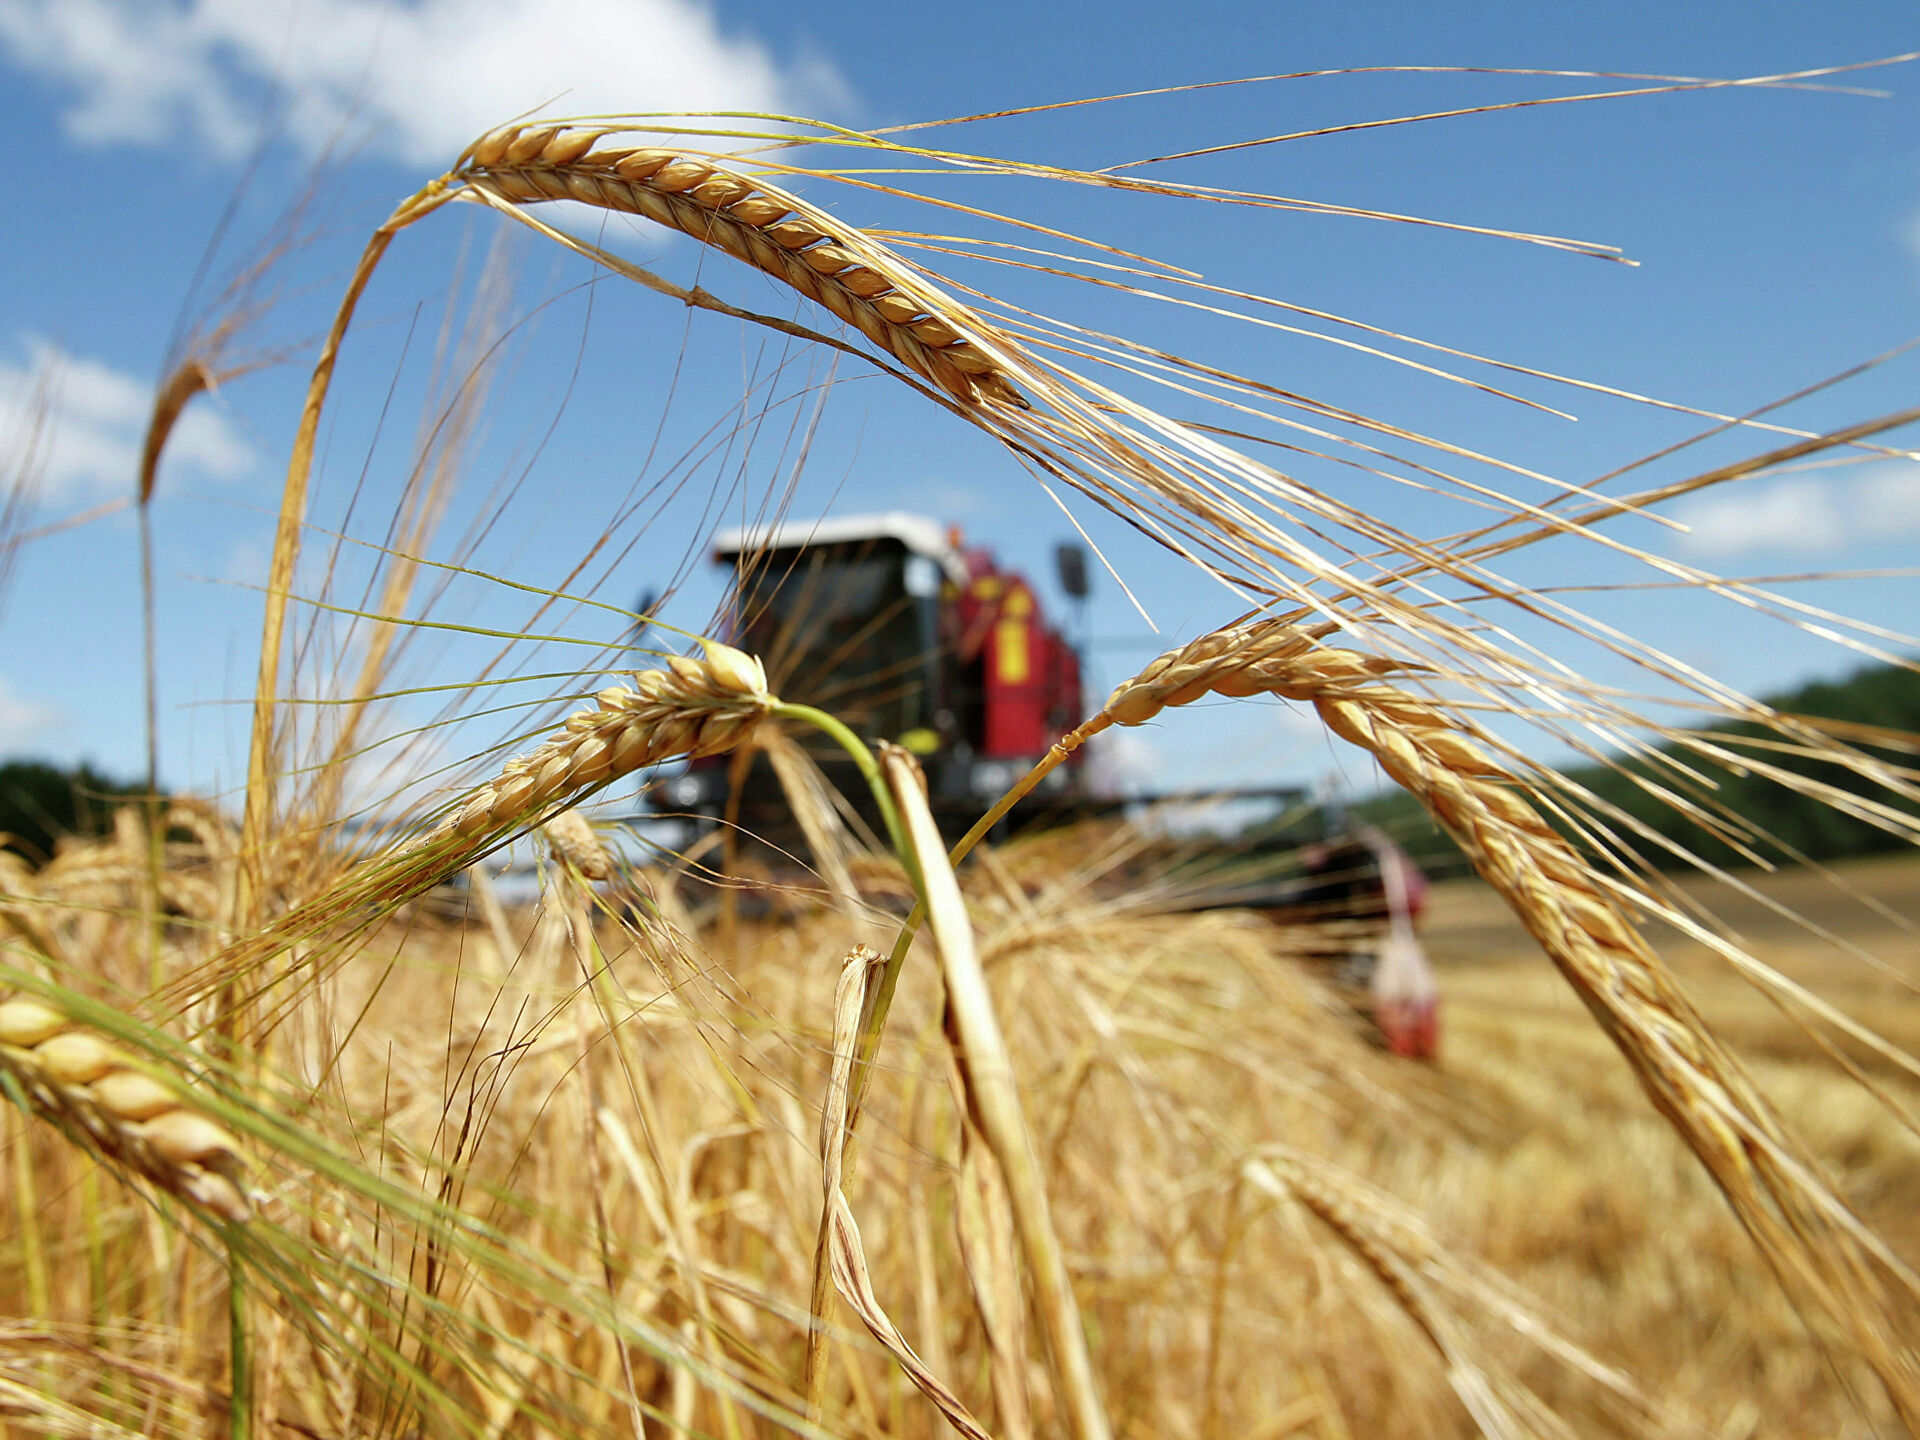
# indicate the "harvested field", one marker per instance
pixel 1589 1199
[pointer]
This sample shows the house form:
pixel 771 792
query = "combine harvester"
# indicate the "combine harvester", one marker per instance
pixel 894 625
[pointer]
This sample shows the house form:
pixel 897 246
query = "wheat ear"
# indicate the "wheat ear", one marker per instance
pixel 798 244
pixel 73 1078
pixel 1822 1252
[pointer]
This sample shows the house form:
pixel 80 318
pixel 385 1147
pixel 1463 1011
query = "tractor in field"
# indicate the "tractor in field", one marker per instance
pixel 896 626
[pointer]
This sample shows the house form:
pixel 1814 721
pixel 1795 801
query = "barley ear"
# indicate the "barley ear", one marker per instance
pixel 691 708
pixel 834 264
pixel 72 1078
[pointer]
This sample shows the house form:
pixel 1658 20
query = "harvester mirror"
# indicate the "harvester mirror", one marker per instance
pixel 921 577
pixel 1071 562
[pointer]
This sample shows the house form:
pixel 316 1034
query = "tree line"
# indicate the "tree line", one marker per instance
pixel 1875 711
pixel 41 804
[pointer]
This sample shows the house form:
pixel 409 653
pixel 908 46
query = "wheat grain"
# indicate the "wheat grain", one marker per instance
pixel 73 1078
pixel 777 232
pixel 1820 1250
pixel 573 843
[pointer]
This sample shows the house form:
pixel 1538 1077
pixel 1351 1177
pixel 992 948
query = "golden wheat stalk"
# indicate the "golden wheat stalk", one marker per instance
pixel 989 1254
pixel 993 1097
pixel 847 1252
pixel 74 1079
pixel 1823 1253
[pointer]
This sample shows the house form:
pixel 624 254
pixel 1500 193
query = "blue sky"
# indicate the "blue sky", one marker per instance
pixel 1778 235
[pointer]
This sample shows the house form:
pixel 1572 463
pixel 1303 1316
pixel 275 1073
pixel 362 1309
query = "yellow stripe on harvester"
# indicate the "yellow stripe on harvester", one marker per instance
pixel 1011 660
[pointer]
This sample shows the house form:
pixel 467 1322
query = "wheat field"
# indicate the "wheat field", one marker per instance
pixel 318 1129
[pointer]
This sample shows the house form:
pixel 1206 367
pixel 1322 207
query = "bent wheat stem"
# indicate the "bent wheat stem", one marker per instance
pixel 840 1233
pixel 863 760
pixel 258 816
pixel 986 1068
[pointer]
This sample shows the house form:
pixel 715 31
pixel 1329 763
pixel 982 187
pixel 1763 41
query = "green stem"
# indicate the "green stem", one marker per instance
pixel 873 1017
pixel 240 1353
pixel 869 771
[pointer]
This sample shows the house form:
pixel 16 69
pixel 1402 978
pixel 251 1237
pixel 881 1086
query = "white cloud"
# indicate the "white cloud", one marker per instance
pixel 1212 746
pixel 245 564
pixel 420 78
pixel 1889 499
pixel 22 721
pixel 1795 512
pixel 96 419
pixel 1805 512
pixel 1123 762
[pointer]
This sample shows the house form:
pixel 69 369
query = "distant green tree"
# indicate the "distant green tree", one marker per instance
pixel 1879 711
pixel 41 803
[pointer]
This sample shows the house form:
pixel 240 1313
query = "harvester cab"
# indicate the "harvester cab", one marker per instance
pixel 895 626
